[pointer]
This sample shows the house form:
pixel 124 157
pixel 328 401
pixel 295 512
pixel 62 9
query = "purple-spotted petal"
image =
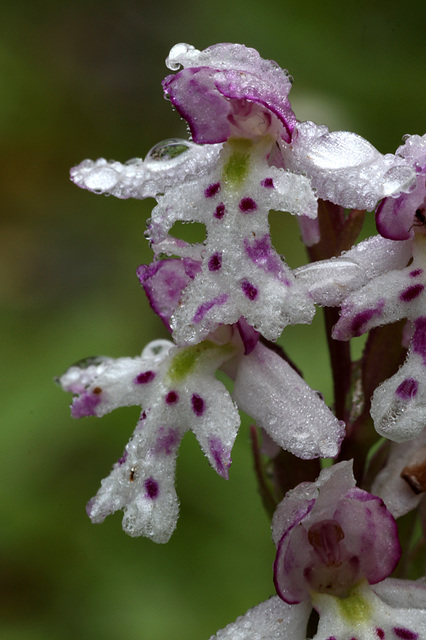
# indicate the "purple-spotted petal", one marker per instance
pixel 398 406
pixel 391 610
pixel 179 392
pixel 385 299
pixel 143 484
pixel 241 273
pixel 117 383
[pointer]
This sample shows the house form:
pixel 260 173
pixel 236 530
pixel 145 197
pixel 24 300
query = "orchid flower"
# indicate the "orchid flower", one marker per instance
pixel 399 404
pixel 225 299
pixel 178 390
pixel 249 155
pixel 336 546
pixel 265 386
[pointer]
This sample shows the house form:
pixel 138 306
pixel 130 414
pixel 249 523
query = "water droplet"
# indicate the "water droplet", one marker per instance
pixel 174 66
pixel 397 179
pixel 133 161
pixel 157 349
pixel 340 149
pixel 179 50
pixel 167 151
pixel 85 363
pixel 101 179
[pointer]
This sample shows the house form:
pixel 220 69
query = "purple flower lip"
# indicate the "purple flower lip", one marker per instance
pixel 225 83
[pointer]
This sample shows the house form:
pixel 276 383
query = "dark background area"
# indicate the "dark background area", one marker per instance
pixel 79 80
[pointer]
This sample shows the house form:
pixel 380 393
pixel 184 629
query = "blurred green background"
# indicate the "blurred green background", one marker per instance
pixel 82 79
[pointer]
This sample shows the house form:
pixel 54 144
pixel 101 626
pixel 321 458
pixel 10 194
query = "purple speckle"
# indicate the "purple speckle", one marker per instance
pixel 85 405
pixel 415 273
pixel 152 489
pixel 419 338
pixel 215 262
pixel 219 211
pixel 219 454
pixel 261 253
pixel 380 633
pixel 167 441
pixel 206 306
pixel 172 397
pixel 212 190
pixel 407 389
pixel 198 405
pixel 405 634
pixel 247 205
pixel 411 292
pixel 249 290
pixel 359 322
pixel 144 377
pixel 123 458
pixel 268 183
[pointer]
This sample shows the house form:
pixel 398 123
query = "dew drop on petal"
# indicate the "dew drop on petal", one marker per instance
pixel 399 178
pixel 167 151
pixel 157 350
pixel 339 149
pixel 133 161
pixel 180 49
pixel 85 363
pixel 101 179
